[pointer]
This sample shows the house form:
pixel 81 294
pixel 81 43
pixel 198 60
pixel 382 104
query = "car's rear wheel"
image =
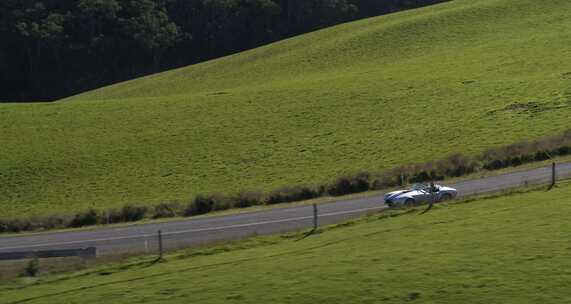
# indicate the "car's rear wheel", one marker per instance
pixel 409 203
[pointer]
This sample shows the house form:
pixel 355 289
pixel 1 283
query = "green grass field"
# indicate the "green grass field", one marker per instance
pixel 408 87
pixel 511 249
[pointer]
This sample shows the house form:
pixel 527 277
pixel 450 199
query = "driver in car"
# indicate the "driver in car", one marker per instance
pixel 433 188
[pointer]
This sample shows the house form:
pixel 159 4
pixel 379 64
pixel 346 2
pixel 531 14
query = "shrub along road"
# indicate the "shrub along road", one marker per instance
pixel 143 238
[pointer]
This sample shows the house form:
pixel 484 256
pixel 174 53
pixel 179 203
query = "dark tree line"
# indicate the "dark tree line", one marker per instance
pixel 54 48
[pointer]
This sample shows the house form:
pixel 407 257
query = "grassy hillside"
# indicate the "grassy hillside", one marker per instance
pixel 456 77
pixel 512 249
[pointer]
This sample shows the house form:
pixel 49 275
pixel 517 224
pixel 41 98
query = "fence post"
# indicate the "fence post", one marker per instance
pixel 553 175
pixel 314 216
pixel 88 253
pixel 160 245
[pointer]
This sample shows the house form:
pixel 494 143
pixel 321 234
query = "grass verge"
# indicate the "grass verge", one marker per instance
pixel 494 250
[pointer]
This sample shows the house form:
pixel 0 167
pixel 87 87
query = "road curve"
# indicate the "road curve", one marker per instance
pixel 176 234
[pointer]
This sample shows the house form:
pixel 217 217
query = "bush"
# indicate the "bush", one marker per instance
pixel 400 175
pixel 562 151
pixel 203 204
pixel 52 222
pixel 33 268
pixel 18 225
pixel 163 210
pixel 495 165
pixel 421 176
pixel 350 184
pixel 133 213
pixel 457 165
pixel 129 213
pixel 521 159
pixel 385 181
pixel 112 216
pixel 35 223
pixel 292 194
pixel 86 218
pixel 3 226
pixel 24 224
pixel 525 152
pixel 246 199
pixel 516 161
pixel 541 155
pixel 222 203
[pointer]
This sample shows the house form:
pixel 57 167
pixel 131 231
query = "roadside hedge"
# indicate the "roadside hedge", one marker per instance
pixel 455 165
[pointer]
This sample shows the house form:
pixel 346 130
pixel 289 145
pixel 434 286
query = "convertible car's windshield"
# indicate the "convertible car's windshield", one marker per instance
pixel 418 187
pixel 424 187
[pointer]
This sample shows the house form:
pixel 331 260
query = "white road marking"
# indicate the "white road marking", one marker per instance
pixel 293 219
pixel 562 173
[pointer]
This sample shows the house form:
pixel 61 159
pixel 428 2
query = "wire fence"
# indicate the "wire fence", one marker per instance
pixel 543 175
pixel 148 242
pixel 144 239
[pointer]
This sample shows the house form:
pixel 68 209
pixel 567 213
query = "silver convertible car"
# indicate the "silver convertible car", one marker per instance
pixel 420 193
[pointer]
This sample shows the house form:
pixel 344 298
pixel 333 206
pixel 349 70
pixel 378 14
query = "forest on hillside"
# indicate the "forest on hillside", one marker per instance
pixel 55 48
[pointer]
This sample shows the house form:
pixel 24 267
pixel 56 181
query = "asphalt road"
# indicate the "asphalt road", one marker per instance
pixel 188 232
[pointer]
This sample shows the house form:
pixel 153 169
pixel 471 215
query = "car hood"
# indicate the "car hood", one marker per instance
pixel 395 194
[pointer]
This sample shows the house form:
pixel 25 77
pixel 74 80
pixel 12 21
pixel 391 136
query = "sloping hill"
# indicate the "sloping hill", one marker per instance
pixel 501 250
pixel 456 77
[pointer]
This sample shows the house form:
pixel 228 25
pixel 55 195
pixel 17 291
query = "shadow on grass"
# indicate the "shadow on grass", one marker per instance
pixel 551 187
pixel 307 234
pixel 427 209
pixel 153 262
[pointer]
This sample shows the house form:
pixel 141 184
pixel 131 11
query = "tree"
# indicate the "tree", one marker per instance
pixel 233 25
pixel 308 15
pixel 95 35
pixel 69 46
pixel 95 20
pixel 150 27
pixel 39 29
